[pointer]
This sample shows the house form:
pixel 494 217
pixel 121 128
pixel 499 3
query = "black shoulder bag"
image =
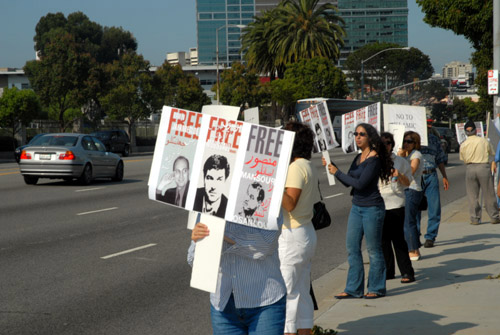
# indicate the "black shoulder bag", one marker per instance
pixel 321 218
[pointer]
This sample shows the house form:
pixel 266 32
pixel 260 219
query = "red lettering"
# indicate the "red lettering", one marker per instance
pixel 172 119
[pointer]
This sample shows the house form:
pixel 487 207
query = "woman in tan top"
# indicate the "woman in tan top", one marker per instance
pixel 297 242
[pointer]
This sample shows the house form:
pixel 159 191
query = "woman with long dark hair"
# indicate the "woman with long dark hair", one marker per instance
pixel 366 217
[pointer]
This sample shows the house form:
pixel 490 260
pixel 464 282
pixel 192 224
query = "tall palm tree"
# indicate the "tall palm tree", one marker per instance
pixel 301 29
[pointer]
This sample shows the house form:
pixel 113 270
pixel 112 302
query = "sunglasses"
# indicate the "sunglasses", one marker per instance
pixel 409 141
pixel 362 134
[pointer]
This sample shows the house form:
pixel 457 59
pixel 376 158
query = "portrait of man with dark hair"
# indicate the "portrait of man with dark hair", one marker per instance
pixel 319 137
pixel 175 195
pixel 210 198
pixel 252 200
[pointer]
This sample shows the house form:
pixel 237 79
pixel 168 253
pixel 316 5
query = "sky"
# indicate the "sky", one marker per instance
pixel 162 26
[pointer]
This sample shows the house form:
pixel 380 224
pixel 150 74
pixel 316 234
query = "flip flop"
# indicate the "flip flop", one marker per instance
pixel 373 296
pixel 344 295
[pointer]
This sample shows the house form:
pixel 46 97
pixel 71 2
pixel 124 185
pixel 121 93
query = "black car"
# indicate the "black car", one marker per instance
pixel 450 137
pixel 17 152
pixel 115 141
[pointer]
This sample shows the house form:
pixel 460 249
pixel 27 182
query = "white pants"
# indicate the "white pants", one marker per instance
pixel 296 250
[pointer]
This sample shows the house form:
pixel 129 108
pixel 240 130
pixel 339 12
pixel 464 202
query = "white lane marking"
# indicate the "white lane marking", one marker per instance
pixel 333 196
pixel 98 211
pixel 451 167
pixel 90 189
pixel 129 251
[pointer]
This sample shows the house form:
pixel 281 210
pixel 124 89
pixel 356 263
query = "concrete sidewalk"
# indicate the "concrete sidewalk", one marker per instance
pixel 457 288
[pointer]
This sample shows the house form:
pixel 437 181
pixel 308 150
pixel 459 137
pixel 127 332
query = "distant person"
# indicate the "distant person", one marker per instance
pixel 210 198
pixel 393 235
pixel 176 195
pixel 434 158
pixel 475 152
pixel 366 218
pixel 254 197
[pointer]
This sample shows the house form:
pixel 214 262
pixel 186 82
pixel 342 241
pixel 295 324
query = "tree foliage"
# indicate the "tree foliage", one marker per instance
pixel 474 20
pixel 317 77
pixel 240 86
pixel 400 66
pixel 293 30
pixel 18 108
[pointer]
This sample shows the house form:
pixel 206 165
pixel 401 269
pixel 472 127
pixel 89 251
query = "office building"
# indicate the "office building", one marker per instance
pixel 457 69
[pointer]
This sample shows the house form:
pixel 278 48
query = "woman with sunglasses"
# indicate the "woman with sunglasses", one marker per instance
pixel 394 197
pixel 367 213
pixel 414 194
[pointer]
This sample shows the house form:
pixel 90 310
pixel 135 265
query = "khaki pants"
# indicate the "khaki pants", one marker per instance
pixel 478 176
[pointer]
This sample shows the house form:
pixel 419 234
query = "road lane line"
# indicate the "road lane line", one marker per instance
pixel 449 168
pixel 333 196
pixel 7 173
pixel 137 160
pixel 10 169
pixel 129 251
pixel 90 189
pixel 98 211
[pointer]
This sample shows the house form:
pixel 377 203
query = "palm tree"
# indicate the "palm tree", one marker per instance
pixel 303 30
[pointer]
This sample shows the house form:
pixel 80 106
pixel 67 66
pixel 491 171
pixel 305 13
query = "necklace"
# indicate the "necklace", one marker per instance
pixel 366 155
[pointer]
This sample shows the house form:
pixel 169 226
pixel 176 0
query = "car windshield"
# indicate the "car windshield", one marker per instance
pixel 104 135
pixel 53 140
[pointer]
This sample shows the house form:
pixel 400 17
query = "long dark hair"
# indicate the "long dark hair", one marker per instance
pixel 375 143
pixel 303 142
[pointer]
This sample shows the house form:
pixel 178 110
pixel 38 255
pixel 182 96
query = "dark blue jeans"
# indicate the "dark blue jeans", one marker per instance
pixel 430 183
pixel 265 320
pixel 367 221
pixel 412 233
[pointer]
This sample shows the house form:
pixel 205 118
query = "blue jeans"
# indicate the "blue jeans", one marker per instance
pixel 431 190
pixel 367 221
pixel 265 320
pixel 412 233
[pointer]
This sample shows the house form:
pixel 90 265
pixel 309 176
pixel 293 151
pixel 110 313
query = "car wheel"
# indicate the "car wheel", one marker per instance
pixel 86 177
pixel 126 151
pixel 30 180
pixel 119 172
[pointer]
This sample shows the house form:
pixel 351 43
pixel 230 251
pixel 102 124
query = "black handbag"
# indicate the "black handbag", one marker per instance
pixel 321 218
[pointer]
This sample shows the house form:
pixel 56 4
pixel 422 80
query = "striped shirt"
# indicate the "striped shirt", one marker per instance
pixel 249 269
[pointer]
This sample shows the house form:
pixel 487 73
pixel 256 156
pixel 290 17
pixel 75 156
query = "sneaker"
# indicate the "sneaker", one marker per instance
pixel 474 223
pixel 495 221
pixel 428 244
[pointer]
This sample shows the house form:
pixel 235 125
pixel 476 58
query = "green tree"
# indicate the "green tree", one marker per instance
pixel 400 66
pixel 172 87
pixel 474 20
pixel 18 108
pixel 114 43
pixel 317 77
pixel 130 95
pixel 240 86
pixel 65 78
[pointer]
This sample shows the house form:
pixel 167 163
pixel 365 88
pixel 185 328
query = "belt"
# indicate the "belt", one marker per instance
pixel 429 171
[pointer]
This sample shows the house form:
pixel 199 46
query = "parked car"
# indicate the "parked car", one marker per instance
pixel 69 156
pixel 451 139
pixel 17 152
pixel 115 141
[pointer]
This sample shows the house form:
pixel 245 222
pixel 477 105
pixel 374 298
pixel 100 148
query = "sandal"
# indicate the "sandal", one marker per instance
pixel 405 279
pixel 373 295
pixel 345 295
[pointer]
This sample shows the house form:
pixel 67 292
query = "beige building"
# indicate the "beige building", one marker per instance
pixel 456 70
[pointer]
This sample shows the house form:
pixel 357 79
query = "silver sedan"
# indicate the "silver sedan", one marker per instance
pixel 69 156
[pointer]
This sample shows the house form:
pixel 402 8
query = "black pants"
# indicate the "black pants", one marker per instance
pixel 393 235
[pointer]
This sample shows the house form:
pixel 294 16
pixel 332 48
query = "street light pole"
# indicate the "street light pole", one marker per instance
pixel 363 67
pixel 241 26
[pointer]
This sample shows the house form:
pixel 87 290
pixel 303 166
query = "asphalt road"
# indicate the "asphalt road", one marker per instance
pixel 103 259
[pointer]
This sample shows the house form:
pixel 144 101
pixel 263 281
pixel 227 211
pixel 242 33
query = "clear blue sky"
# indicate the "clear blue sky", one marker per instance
pixel 162 26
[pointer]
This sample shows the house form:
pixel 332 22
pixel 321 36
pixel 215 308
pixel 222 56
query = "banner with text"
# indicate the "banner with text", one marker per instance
pixel 412 117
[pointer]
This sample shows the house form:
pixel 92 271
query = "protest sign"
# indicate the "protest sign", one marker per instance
pixel 461 136
pixel 225 160
pixel 412 117
pixel 369 114
pixel 251 115
pixel 318 119
pixel 398 131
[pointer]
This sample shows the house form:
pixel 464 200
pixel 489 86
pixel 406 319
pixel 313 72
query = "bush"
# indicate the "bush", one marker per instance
pixel 7 143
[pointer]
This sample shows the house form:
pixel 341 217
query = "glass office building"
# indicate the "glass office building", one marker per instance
pixel 369 21
pixel 217 20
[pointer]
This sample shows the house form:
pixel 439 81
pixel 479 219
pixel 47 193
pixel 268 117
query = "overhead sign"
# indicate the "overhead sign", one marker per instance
pixel 493 82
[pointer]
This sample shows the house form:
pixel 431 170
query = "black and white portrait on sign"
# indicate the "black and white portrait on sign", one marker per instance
pixel 180 175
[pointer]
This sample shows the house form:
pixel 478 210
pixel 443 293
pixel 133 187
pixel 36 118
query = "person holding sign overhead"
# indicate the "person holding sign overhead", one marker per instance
pixel 367 213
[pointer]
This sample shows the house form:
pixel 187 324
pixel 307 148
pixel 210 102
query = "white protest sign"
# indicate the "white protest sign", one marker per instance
pixel 461 136
pixel 369 114
pixel 398 131
pixel 331 177
pixel 207 255
pixel 227 112
pixel 412 117
pixel 251 115
pixel 492 82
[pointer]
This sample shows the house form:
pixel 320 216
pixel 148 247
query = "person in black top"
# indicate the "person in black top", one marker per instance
pixel 367 213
